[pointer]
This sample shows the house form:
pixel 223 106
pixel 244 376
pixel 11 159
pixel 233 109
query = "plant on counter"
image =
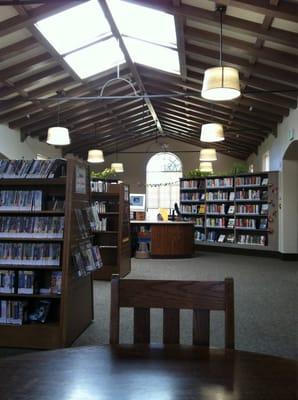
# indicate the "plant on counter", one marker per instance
pixel 107 173
pixel 196 173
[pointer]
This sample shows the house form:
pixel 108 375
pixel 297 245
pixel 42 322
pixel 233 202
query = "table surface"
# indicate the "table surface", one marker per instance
pixel 135 372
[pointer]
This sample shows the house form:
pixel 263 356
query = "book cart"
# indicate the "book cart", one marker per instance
pixel 233 211
pixel 45 303
pixel 113 238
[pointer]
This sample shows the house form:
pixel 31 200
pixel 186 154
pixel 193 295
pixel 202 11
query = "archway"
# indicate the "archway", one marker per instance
pixel 289 201
pixel 162 183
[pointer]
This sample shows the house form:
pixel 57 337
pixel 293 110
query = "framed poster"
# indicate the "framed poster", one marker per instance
pixel 80 179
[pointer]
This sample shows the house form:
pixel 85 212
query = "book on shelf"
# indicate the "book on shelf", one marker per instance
pixel 56 282
pixel 231 209
pixel 232 196
pixel 27 282
pixel 32 169
pixel 263 223
pixel 13 312
pixel 202 209
pixel 252 239
pixel 230 238
pixel 49 227
pixel 7 281
pixel 21 200
pixel 265 181
pixel 86 258
pixel 40 311
pixel 264 209
pixel 221 238
pixel 37 254
pixel 231 223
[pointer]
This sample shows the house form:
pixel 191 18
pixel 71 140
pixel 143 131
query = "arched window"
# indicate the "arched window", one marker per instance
pixel 162 178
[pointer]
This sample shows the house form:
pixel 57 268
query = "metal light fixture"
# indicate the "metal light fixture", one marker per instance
pixel 57 135
pixel 221 83
pixel 212 133
pixel 208 155
pixel 118 167
pixel 206 166
pixel 95 156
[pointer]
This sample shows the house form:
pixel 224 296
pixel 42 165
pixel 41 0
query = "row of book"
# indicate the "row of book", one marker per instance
pixel 20 200
pixel 15 312
pixel 251 223
pixel 192 196
pixel 32 169
pixel 86 258
pixel 252 209
pixel 37 254
pixel 30 282
pixel 49 227
pixel 251 194
pixel 220 222
pixel 216 237
pixel 192 184
pixel 219 182
pixel 259 240
pixel 220 195
pixel 101 186
pixel 251 181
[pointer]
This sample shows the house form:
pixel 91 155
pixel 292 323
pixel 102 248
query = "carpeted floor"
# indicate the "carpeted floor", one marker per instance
pixel 266 302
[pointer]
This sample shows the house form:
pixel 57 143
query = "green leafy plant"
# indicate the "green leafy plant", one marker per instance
pixel 196 173
pixel 238 168
pixel 107 173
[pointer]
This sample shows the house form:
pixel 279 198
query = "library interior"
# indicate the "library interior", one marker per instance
pixel 148 199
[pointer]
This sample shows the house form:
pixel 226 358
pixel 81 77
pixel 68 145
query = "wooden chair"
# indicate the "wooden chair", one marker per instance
pixel 201 297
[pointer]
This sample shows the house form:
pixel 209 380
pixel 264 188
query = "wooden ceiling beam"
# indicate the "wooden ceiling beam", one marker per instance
pixel 202 36
pixel 286 11
pixel 229 22
pixel 179 24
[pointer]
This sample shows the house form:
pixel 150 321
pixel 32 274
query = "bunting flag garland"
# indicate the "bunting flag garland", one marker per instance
pixel 159 184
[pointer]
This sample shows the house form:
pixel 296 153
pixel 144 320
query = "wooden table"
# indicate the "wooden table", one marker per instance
pixel 169 238
pixel 147 372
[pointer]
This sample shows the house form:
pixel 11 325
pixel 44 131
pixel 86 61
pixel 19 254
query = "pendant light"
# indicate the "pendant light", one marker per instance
pixel 221 83
pixel 57 135
pixel 212 133
pixel 206 166
pixel 95 155
pixel 117 166
pixel 208 155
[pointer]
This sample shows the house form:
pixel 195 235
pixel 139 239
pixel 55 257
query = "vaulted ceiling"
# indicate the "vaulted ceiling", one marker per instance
pixel 260 39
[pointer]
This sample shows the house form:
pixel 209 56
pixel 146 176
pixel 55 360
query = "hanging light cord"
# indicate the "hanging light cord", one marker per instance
pixel 220 40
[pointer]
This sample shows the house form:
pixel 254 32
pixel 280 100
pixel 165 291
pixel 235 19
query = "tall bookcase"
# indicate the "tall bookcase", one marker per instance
pixel 233 211
pixel 71 310
pixel 113 239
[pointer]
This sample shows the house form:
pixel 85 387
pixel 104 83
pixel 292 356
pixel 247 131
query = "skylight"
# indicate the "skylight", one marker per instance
pixel 83 37
pixel 144 23
pixel 153 55
pixel 95 58
pixel 75 27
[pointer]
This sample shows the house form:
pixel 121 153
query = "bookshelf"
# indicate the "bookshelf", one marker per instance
pixel 45 304
pixel 113 238
pixel 233 211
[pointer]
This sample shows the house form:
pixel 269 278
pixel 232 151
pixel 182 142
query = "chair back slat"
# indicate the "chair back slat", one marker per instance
pixel 171 296
pixel 171 325
pixel 229 314
pixel 201 327
pixel 141 331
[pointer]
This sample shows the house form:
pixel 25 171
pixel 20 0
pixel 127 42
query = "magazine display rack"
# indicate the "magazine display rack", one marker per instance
pixel 44 302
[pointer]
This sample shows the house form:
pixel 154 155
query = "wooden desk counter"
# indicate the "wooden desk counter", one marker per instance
pixel 170 238
pixel 140 372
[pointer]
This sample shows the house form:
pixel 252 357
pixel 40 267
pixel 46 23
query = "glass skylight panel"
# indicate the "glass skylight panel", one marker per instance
pixel 153 55
pixel 95 58
pixel 144 23
pixel 75 27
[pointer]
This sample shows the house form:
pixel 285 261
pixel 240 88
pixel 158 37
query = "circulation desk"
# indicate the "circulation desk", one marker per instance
pixel 168 238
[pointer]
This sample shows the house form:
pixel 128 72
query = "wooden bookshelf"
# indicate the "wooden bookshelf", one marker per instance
pixel 240 211
pixel 114 241
pixel 71 311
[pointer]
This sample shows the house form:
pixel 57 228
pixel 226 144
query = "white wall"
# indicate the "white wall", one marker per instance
pixel 12 147
pixel 276 146
pixel 135 164
pixel 288 179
